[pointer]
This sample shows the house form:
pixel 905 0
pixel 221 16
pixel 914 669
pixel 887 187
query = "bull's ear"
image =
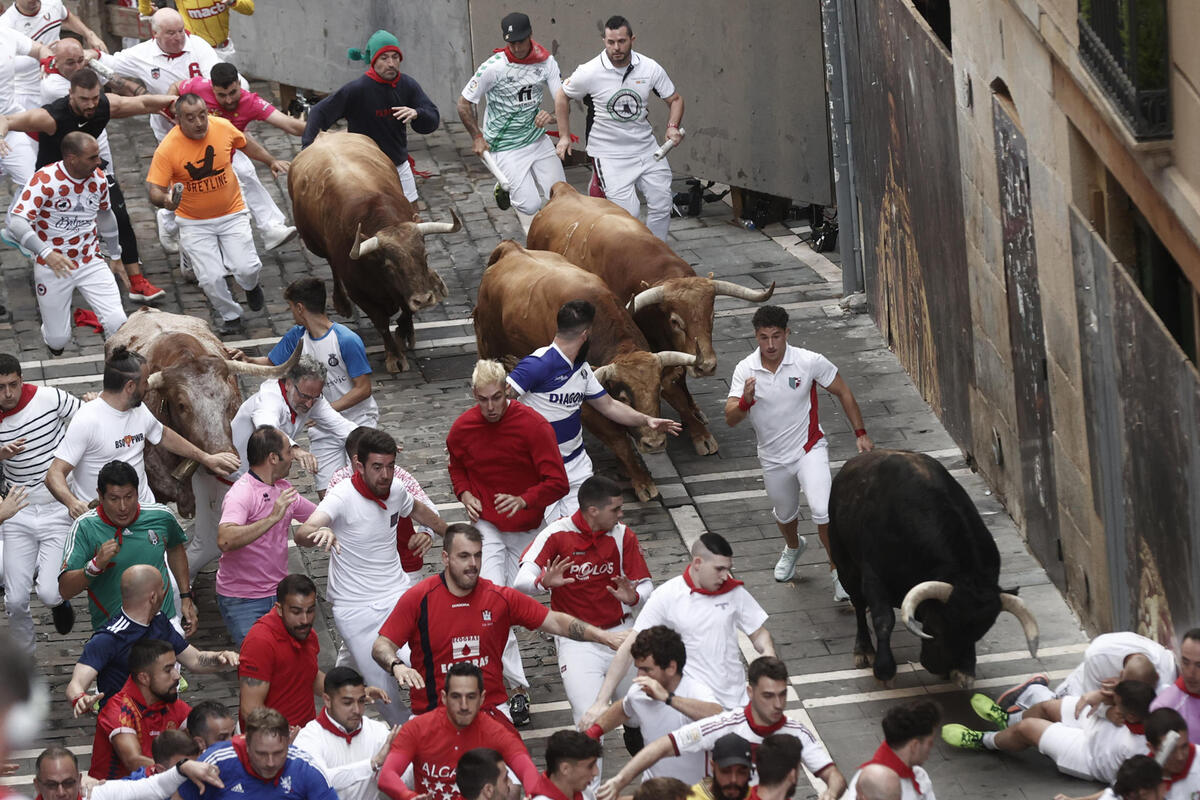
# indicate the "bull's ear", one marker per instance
pixel 645 285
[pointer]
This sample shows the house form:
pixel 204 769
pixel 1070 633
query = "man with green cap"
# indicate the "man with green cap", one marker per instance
pixel 382 103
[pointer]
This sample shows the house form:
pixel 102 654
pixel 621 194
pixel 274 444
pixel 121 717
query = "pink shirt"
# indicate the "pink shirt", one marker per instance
pixel 255 570
pixel 250 108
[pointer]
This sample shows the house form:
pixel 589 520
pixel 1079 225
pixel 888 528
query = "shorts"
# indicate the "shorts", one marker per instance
pixel 809 473
pixel 1068 747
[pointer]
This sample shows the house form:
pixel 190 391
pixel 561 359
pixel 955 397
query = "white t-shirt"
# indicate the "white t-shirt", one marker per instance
pixel 159 70
pixel 268 406
pixel 13 46
pixel 367 569
pixel 656 719
pixel 1109 745
pixel 922 791
pixel 342 352
pixel 784 414
pixel 701 735
pixel 43 27
pixel 99 434
pixel 346 765
pixel 1105 658
pixel 1186 786
pixel 620 103
pixel 708 624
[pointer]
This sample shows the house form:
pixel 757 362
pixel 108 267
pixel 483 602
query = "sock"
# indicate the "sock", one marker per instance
pixel 1014 717
pixel 989 740
pixel 526 220
pixel 1034 693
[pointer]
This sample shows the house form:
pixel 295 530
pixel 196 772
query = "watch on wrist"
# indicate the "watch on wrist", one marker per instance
pixel 670 697
pixel 180 763
pixel 185 595
pixel 392 667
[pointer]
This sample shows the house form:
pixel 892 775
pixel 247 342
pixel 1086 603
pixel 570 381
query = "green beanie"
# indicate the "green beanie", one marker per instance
pixel 379 43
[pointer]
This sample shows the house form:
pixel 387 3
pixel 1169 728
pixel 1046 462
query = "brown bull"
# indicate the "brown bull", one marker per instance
pixel 350 210
pixel 193 390
pixel 670 303
pixel 519 297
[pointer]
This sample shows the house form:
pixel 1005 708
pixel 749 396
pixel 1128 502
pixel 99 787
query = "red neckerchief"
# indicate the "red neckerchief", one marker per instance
pixel 358 483
pixel 239 747
pixel 762 730
pixel 537 54
pixel 27 392
pixel 886 756
pixel 1179 684
pixel 1136 728
pixel 283 391
pixel 331 725
pixel 120 531
pixel 728 586
pixel 373 75
pixel 1178 776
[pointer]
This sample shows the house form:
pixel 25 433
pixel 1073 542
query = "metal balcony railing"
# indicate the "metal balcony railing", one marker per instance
pixel 1123 43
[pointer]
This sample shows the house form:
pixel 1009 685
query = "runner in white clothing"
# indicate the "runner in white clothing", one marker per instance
pixel 776 387
pixel 707 607
pixel 18 159
pixel 514 127
pixel 43 21
pixel 365 576
pixel 909 733
pixel 616 86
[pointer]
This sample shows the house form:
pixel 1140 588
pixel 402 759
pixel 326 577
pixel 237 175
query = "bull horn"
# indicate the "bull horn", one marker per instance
pixel 185 470
pixel 261 371
pixel 731 289
pixel 155 381
pixel 363 246
pixel 926 590
pixel 646 297
pixel 674 358
pixel 1015 606
pixel 604 373
pixel 426 228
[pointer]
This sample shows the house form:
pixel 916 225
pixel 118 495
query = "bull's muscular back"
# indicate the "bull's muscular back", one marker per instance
pixel 905 517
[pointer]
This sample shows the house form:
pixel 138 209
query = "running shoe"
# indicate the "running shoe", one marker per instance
pixel 1008 700
pixel 957 735
pixel 985 708
pixel 142 290
pixel 64 617
pixel 518 706
pixel 785 567
pixel 502 198
pixel 840 595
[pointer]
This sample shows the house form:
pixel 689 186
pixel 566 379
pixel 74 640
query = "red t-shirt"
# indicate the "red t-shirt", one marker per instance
pixel 128 712
pixel 271 654
pixel 596 558
pixel 433 745
pixel 441 629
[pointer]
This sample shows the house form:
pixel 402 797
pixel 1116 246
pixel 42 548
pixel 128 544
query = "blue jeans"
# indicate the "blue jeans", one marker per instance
pixel 240 613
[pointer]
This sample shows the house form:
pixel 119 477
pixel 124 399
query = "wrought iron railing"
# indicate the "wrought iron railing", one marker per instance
pixel 1124 45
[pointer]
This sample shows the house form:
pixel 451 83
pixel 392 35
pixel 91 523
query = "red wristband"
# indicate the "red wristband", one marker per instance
pixel 743 405
pixel 594 732
pixel 860 432
pixel 75 699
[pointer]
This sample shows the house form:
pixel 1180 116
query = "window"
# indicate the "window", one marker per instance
pixel 1123 43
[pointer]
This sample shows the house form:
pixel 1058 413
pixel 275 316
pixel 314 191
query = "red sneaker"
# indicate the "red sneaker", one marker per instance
pixel 142 290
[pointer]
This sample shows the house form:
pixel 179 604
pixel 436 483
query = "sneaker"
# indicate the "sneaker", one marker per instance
pixel 229 327
pixel 273 237
pixel 64 617
pixel 985 708
pixel 785 567
pixel 518 707
pixel 502 198
pixel 840 595
pixel 254 298
pixel 183 684
pixel 957 735
pixel 1008 700
pixel 54 352
pixel 168 240
pixel 142 290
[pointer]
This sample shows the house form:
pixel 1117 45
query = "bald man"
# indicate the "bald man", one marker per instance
pixel 877 782
pixel 105 656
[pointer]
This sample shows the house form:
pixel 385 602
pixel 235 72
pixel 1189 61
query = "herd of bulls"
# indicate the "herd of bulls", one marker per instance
pixel 903 532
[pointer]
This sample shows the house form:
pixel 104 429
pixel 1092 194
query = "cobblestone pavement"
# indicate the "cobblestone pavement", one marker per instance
pixel 722 492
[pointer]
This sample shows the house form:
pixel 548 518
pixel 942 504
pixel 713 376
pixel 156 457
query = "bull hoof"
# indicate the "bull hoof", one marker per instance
pixel 890 683
pixel 646 492
pixel 396 364
pixel 864 660
pixel 706 445
pixel 961 679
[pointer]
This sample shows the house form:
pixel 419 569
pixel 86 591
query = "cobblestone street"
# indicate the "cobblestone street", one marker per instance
pixel 722 492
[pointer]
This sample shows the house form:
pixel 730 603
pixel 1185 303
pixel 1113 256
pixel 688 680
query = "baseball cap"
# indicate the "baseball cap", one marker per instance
pixel 731 749
pixel 516 27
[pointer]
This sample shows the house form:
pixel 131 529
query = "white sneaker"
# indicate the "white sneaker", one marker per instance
pixel 273 237
pixel 785 567
pixel 839 594
pixel 185 267
pixel 168 240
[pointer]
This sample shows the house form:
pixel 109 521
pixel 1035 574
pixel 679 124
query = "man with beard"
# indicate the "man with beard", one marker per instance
pixel 909 731
pixel 730 778
pixel 146 706
pixel 432 743
pixel 457 616
pixel 778 763
pixel 365 575
pixel 118 534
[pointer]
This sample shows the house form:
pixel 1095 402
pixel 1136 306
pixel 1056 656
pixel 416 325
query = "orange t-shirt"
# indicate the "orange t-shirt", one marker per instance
pixel 204 167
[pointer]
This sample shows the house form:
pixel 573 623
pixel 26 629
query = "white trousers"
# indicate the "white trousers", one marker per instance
pixel 95 282
pixel 811 473
pixel 359 625
pixel 531 171
pixel 34 540
pixel 262 207
pixel 501 560
pixel 623 178
pixel 202 541
pixel 408 181
pixel 579 469
pixel 19 163
pixel 583 666
pixel 330 451
pixel 219 247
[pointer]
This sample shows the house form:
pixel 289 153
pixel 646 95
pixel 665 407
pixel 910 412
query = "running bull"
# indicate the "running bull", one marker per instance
pixel 670 303
pixel 519 297
pixel 350 210
pixel 904 534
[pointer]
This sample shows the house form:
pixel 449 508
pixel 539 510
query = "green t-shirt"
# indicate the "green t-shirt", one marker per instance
pixel 145 541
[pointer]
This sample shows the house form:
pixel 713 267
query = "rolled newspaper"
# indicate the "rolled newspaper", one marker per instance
pixel 1167 746
pixel 176 193
pixel 494 168
pixel 666 146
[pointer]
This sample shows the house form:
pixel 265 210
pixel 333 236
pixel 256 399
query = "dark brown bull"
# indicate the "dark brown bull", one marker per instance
pixel 670 303
pixel 193 390
pixel 350 210
pixel 519 297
